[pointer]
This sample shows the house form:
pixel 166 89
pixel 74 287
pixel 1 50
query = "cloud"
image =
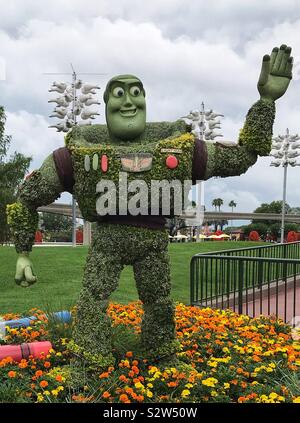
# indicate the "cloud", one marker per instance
pixel 185 53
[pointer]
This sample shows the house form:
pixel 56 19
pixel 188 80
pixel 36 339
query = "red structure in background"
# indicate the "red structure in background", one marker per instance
pixel 38 238
pixel 254 236
pixel 79 236
pixel 292 236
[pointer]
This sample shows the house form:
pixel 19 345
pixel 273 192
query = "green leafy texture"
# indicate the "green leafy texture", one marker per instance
pixel 41 188
pixel 12 172
pixel 85 182
pixel 23 224
pixel 256 134
pixel 228 161
pixel 113 247
pixel 255 139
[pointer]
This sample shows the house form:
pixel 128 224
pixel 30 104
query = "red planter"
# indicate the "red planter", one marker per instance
pixel 18 352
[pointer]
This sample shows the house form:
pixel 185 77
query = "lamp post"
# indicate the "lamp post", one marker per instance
pixel 203 124
pixel 285 151
pixel 74 101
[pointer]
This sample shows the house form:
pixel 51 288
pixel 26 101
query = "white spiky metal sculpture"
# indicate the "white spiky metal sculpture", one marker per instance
pixel 73 103
pixel 285 151
pixel 203 123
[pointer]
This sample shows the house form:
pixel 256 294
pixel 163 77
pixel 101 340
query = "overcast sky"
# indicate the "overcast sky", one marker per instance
pixel 185 52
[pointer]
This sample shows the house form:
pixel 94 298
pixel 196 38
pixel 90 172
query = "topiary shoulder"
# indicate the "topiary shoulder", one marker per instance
pixel 154 132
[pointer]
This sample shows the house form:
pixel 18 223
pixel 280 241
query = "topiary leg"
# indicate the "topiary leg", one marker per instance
pixel 92 331
pixel 152 275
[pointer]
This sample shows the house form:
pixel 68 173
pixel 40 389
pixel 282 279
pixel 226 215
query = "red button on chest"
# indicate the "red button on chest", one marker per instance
pixel 104 163
pixel 171 162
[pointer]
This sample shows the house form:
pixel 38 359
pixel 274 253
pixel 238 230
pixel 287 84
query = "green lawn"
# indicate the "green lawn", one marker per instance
pixel 59 271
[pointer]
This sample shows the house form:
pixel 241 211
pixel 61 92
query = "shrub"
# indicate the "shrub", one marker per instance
pixel 254 236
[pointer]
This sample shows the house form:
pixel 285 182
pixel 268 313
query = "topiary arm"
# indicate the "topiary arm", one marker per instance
pixel 255 139
pixel 256 136
pixel 40 188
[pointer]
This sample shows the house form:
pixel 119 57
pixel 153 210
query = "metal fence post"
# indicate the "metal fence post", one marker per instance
pixel 240 286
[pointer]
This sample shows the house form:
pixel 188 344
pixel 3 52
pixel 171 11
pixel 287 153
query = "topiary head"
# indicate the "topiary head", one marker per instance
pixel 125 110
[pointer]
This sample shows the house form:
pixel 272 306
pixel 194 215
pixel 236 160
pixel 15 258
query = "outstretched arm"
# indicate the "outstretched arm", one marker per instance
pixel 42 187
pixel 256 135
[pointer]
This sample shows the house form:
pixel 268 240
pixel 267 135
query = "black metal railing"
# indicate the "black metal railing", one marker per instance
pixel 256 280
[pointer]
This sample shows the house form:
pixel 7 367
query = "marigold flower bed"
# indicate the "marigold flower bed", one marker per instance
pixel 224 357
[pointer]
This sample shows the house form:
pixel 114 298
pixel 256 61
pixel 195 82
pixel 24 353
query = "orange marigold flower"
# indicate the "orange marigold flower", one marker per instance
pixel 129 354
pixel 139 398
pixel 124 398
pixel 131 374
pixel 12 374
pixel 39 373
pixel 47 364
pixel 44 384
pixel 58 378
pixel 135 370
pixel 172 384
pixel 106 394
pixel 23 364
pixel 104 375
pixel 123 378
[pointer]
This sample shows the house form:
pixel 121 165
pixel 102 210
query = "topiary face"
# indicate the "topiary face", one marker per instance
pixel 125 107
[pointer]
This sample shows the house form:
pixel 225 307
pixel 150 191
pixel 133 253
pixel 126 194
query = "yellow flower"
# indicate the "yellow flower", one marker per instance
pixel 139 385
pixel 40 398
pixel 189 385
pixel 273 395
pixel 150 385
pixel 296 399
pixel 153 370
pixel 54 392
pixel 214 393
pixel 185 393
pixel 149 393
pixel 226 385
pixel 211 381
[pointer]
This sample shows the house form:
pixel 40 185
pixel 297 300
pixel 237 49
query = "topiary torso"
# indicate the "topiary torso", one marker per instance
pixel 87 154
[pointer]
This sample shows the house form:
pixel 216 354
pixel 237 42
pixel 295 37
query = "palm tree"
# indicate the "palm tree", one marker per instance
pixel 217 202
pixel 232 204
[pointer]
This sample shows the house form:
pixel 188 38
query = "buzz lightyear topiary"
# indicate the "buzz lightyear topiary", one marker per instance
pixel 129 146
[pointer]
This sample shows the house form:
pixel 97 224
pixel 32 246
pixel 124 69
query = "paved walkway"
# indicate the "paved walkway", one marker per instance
pixel 285 303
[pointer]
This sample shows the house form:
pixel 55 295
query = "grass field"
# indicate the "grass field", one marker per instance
pixel 59 271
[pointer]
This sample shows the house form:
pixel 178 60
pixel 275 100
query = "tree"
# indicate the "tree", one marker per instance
pixel 274 207
pixel 232 204
pixel 12 172
pixel 56 222
pixel 217 202
pixel 261 228
pixel 275 228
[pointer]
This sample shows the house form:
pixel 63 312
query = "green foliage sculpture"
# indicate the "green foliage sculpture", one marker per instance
pixel 140 241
